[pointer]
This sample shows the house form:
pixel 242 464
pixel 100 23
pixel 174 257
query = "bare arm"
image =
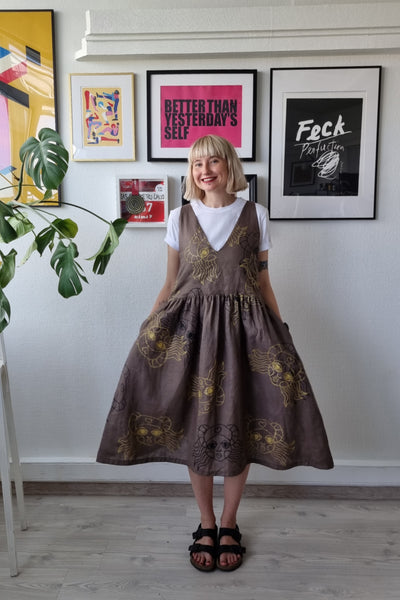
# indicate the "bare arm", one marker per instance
pixel 265 284
pixel 172 272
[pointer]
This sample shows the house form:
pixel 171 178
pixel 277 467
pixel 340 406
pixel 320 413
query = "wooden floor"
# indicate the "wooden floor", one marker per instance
pixel 120 548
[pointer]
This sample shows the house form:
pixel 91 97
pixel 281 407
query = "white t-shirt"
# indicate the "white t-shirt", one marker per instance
pixel 218 223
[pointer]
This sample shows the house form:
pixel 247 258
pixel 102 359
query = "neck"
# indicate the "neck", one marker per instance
pixel 218 200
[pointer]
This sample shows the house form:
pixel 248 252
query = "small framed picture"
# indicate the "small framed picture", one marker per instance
pixel 143 201
pixel 102 117
pixel 250 193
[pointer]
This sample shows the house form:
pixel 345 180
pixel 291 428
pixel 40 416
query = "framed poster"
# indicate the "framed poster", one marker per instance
pixel 248 194
pixel 185 105
pixel 27 92
pixel 102 117
pixel 143 202
pixel 323 142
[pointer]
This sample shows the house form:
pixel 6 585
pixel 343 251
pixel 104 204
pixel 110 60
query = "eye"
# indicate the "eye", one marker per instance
pixel 277 366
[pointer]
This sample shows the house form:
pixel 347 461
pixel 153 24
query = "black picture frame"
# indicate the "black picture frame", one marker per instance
pixel 324 126
pixel 28 91
pixel 184 105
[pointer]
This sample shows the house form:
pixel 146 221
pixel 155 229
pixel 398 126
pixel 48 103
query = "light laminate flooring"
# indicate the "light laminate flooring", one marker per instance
pixel 120 548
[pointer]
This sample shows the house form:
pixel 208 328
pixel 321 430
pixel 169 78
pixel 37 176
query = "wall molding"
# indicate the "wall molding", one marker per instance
pixel 262 31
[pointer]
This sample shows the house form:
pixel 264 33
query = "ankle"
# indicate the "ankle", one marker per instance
pixel 228 522
pixel 208 522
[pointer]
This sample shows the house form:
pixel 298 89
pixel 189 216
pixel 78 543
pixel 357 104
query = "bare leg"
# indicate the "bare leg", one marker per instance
pixel 233 490
pixel 203 492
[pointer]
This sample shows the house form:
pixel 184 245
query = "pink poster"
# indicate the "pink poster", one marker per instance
pixel 188 112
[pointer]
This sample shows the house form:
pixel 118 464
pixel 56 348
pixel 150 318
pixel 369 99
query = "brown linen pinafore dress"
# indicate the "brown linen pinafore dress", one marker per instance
pixel 213 380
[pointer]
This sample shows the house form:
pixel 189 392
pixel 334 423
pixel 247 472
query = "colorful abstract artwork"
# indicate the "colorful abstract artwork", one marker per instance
pixel 102 116
pixel 27 90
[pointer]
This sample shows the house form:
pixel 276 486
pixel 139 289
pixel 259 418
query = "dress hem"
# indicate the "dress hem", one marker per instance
pixel 122 463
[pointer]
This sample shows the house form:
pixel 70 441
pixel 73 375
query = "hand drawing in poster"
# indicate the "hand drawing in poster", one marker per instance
pixel 322 146
pixel 191 111
pixel 101 108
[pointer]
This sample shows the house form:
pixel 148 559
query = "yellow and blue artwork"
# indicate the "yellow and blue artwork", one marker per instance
pixel 27 91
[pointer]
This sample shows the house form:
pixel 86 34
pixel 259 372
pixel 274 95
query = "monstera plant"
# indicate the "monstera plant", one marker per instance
pixel 45 160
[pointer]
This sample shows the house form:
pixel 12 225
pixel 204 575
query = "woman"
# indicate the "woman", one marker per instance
pixel 213 380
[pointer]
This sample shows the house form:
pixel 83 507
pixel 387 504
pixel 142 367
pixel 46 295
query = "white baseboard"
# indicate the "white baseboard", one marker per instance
pixel 345 473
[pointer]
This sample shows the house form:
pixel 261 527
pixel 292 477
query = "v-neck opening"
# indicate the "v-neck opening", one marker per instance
pixel 229 236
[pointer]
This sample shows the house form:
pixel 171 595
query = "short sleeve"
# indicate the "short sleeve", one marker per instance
pixel 172 235
pixel 263 223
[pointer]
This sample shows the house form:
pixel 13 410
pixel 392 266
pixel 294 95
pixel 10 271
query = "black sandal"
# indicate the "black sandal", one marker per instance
pixel 227 548
pixel 211 550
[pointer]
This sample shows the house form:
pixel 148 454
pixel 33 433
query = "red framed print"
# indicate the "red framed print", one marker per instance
pixel 185 105
pixel 143 201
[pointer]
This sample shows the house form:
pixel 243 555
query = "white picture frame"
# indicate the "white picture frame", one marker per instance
pixel 143 200
pixel 102 117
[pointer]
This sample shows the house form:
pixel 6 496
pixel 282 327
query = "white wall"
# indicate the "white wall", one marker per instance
pixel 337 283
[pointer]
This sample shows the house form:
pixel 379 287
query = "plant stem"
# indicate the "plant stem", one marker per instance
pixel 21 178
pixel 81 208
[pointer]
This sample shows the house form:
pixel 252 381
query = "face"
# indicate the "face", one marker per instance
pixel 210 174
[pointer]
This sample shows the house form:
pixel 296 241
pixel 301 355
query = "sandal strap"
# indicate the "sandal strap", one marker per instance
pixel 233 533
pixel 211 550
pixel 212 533
pixel 225 548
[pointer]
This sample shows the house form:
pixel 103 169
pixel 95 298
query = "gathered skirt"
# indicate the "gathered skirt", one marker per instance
pixel 215 382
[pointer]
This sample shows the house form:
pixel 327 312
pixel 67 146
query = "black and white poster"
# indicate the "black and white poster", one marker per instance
pixel 322 146
pixel 323 143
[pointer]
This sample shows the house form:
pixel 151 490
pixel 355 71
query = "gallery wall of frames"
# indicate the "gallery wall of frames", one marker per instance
pixel 323 134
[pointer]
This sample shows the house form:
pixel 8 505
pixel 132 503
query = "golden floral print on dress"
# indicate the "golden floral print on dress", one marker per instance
pixel 239 307
pixel 208 390
pixel 250 266
pixel 285 370
pixel 267 437
pixel 145 430
pixel 237 235
pixel 158 344
pixel 202 257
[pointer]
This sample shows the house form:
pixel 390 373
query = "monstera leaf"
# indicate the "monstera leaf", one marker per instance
pixel 111 241
pixel 69 272
pixel 45 159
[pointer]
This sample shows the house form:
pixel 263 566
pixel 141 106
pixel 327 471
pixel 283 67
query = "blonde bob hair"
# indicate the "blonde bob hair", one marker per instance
pixel 214 145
